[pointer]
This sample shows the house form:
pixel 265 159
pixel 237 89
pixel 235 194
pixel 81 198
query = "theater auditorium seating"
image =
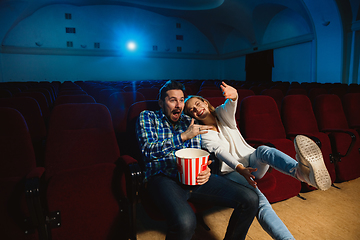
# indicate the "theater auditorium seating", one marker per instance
pixel 19 180
pixel 30 109
pixel 85 191
pixel 260 123
pixel 298 118
pixel 351 105
pixel 345 142
pixel 65 182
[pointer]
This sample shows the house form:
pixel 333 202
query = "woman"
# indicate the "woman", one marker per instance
pixel 242 163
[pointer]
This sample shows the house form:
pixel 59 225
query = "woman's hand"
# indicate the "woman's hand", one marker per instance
pixel 246 172
pixel 228 91
pixel 204 176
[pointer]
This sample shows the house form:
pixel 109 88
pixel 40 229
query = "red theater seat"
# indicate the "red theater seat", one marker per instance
pixel 276 94
pixel 351 105
pixel 19 178
pixel 260 123
pixel 30 109
pixel 299 118
pixel 345 141
pixel 86 191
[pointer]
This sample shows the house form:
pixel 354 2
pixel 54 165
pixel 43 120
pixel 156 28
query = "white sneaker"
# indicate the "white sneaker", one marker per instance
pixel 311 168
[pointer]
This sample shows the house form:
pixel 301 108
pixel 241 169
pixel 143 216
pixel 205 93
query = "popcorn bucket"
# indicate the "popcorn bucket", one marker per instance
pixel 190 162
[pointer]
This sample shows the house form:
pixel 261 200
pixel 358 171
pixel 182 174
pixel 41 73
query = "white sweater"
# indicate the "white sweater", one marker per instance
pixel 228 145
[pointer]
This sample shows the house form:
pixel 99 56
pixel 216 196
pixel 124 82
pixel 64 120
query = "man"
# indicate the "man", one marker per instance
pixel 161 133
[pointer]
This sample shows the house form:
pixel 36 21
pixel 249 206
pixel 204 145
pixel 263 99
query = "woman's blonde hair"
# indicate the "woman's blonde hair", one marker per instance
pixel 211 107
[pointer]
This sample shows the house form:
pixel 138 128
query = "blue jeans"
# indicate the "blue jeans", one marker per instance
pixel 171 198
pixel 262 158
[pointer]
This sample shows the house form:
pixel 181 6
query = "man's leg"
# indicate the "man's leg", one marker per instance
pixel 171 199
pixel 223 192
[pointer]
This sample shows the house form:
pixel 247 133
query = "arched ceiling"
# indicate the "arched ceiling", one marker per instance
pixel 216 19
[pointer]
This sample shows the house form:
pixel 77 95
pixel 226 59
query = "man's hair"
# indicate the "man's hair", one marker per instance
pixel 170 85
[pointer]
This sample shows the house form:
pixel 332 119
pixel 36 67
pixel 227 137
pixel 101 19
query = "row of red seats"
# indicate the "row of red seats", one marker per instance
pixel 272 184
pixel 80 192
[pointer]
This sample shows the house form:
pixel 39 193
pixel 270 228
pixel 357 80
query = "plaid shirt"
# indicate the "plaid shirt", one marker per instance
pixel 159 140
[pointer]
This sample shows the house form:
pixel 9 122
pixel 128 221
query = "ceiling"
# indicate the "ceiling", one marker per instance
pixel 249 18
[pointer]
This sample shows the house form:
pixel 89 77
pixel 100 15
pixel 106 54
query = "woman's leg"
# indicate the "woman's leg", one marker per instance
pixel 266 216
pixel 264 156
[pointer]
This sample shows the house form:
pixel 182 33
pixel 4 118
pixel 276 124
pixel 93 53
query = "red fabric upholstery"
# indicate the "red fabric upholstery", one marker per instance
pixel 216 101
pixel 351 105
pixel 296 91
pixel 17 160
pixel 74 99
pixel 80 173
pixel 276 94
pixel 118 104
pixel 135 109
pixel 260 122
pixel 30 109
pixel 316 91
pixel 299 118
pixel 79 133
pixel 42 101
pixel 150 93
pixel 205 93
pixel 86 202
pixel 103 95
pixel 331 119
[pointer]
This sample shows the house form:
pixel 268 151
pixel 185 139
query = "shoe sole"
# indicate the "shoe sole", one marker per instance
pixel 310 155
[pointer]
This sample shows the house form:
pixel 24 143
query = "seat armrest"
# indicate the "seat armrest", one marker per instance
pixel 256 142
pixel 353 140
pixel 34 200
pixel 133 176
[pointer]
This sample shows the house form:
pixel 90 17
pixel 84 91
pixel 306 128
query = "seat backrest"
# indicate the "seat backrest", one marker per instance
pixel 40 98
pixel 4 93
pixel 276 94
pixel 72 92
pixel 150 93
pixel 351 105
pixel 296 91
pixel 216 101
pixel 260 118
pixel 314 92
pixel 103 95
pixel 74 99
pixel 80 134
pixel 17 156
pixel 30 109
pixel 46 92
pixel 132 117
pixel 17 159
pixel 298 115
pixel 118 104
pixel 205 93
pixel 329 112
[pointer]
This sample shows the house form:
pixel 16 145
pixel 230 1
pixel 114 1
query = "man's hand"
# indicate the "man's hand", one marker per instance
pixel 204 176
pixel 246 172
pixel 194 130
